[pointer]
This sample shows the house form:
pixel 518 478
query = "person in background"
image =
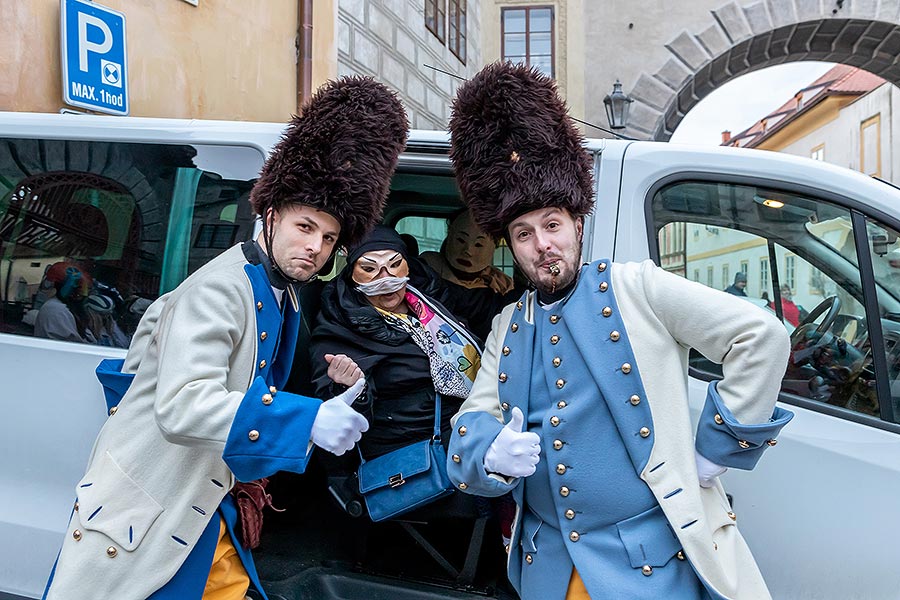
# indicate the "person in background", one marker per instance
pixel 740 283
pixel 104 331
pixel 466 256
pixel 67 286
pixel 791 311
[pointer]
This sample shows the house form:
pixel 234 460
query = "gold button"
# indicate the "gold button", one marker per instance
pixel 502 378
pixel 505 350
pixel 601 267
pixel 519 305
pixel 259 305
pixel 561 468
pixel 554 339
pixel 267 399
pixel 263 336
pixel 514 327
pixel 626 368
pixel 529 559
pixel 607 311
pixel 732 516
pixel 561 404
pixel 113 410
pixel 253 435
pixel 604 286
pixel 635 400
pixel 262 364
pixel 462 430
pixel 614 336
pixel 76 507
pixel 680 555
pixel 504 407
pixel 272 389
pixel 647 570
pixel 718 419
pixel 744 444
pixel 463 485
pixel 560 383
pixel 554 319
pixel 564 491
pixel 644 432
pixel 772 442
pixel 570 514
pixel 557 361
pixel 554 420
pixel 574 536
pixel 111 552
pixel 456 458
pixel 557 444
pixel 76 535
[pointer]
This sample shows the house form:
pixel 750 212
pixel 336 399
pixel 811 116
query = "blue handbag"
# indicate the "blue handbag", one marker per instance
pixel 408 477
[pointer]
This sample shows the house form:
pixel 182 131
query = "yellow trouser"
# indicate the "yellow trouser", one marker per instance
pixel 228 580
pixel 576 590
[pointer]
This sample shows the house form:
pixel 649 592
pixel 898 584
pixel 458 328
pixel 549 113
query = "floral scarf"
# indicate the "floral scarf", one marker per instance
pixel 453 355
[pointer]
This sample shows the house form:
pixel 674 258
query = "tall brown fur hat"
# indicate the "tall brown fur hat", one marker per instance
pixel 338 155
pixel 515 149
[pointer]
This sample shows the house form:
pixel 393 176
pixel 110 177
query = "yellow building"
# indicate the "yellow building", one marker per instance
pixel 206 59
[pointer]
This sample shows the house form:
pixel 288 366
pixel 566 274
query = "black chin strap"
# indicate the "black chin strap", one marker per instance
pixel 277 272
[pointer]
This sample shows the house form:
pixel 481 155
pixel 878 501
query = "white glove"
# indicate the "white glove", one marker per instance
pixel 513 453
pixel 338 427
pixel 707 470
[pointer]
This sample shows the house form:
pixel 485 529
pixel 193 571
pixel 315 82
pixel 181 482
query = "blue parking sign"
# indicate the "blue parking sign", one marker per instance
pixel 94 60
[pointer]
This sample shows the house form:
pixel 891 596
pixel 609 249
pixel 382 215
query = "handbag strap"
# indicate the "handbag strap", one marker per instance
pixel 436 435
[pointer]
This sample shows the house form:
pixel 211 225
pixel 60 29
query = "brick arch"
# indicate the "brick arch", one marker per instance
pixel 740 39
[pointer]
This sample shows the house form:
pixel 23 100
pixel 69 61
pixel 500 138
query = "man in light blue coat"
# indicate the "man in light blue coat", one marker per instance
pixel 581 405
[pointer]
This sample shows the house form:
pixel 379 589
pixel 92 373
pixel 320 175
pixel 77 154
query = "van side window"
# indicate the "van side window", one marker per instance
pixel 792 256
pixel 92 232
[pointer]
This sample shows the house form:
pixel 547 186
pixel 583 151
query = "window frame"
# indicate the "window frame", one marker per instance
pixel 527 33
pixel 440 19
pixel 873 121
pixel 457 43
pixel 859 212
pixel 815 150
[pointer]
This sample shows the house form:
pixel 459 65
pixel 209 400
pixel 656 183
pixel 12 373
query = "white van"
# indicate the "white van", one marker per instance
pixel 135 205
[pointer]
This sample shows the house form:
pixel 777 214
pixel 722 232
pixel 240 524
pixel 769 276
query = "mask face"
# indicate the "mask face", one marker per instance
pixel 378 264
pixel 468 249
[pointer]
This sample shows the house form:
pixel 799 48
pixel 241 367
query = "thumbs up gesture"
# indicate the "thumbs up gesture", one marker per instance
pixel 513 453
pixel 338 427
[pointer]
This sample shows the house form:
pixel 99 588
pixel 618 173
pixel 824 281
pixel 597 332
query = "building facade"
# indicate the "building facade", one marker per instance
pixel 206 59
pixel 422 48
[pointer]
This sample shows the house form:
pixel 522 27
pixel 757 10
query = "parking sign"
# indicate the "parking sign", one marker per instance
pixel 94 60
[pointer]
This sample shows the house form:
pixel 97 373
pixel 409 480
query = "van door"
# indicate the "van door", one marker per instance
pixel 817 246
pixel 91 232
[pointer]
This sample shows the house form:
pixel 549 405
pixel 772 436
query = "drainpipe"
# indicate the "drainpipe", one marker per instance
pixel 304 51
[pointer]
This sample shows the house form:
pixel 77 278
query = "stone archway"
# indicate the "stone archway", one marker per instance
pixel 740 39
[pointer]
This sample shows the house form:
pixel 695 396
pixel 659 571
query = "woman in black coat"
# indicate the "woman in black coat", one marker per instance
pixel 404 334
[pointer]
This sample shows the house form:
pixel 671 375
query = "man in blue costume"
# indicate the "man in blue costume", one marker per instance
pixel 581 405
pixel 204 407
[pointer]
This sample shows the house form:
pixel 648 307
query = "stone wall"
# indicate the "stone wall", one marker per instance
pixel 388 40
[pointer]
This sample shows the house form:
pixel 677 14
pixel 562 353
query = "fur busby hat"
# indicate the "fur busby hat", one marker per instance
pixel 515 149
pixel 338 155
